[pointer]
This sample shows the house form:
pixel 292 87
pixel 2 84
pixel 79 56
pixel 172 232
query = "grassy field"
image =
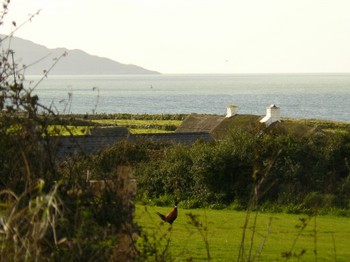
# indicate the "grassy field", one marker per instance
pixel 137 126
pixel 134 126
pixel 127 122
pixel 59 130
pixel 325 125
pixel 330 235
pixel 152 124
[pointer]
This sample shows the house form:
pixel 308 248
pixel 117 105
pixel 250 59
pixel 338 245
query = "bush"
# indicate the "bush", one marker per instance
pixel 50 209
pixel 288 168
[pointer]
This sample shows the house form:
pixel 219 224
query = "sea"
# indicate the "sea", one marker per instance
pixel 308 96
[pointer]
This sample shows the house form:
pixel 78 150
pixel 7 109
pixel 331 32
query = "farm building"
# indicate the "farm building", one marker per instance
pixel 204 127
pixel 218 125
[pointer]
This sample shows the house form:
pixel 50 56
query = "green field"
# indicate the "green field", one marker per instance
pixel 60 130
pixel 128 122
pixel 145 124
pixel 138 126
pixel 224 234
pixel 135 126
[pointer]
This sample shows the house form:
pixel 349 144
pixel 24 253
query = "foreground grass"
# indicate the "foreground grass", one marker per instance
pixel 324 238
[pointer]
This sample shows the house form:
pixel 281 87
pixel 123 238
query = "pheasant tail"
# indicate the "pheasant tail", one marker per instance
pixel 161 216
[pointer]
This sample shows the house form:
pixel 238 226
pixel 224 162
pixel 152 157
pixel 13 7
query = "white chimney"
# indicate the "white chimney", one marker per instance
pixel 273 114
pixel 231 110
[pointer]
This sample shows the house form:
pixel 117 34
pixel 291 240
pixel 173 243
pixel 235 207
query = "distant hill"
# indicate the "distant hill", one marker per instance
pixel 77 62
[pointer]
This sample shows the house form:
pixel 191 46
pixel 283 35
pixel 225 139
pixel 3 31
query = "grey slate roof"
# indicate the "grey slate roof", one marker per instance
pixel 196 123
pixel 216 125
pixel 70 146
pixel 178 138
pixel 109 131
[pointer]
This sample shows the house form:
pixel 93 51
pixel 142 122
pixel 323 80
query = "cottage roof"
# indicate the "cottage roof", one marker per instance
pixel 293 128
pixel 178 138
pixel 242 122
pixel 197 123
pixel 216 125
pixel 118 131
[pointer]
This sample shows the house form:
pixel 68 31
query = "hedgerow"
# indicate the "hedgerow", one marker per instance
pixel 224 171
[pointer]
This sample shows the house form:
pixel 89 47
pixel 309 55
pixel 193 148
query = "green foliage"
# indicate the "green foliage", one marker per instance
pixel 59 130
pixel 343 192
pixel 69 217
pixel 84 210
pixel 212 174
pixel 325 125
pixel 121 153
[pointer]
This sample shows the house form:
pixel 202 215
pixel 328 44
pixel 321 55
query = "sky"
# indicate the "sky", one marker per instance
pixel 196 36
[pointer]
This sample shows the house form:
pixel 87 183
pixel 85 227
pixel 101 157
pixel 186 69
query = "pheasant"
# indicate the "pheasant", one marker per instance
pixel 171 216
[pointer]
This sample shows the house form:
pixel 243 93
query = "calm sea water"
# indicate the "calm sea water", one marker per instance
pixel 320 96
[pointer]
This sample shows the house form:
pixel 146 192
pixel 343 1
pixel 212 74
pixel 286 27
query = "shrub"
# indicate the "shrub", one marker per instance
pixel 67 217
pixel 220 173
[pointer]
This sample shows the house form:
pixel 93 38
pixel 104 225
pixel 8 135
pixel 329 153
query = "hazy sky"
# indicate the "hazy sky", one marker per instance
pixel 197 36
